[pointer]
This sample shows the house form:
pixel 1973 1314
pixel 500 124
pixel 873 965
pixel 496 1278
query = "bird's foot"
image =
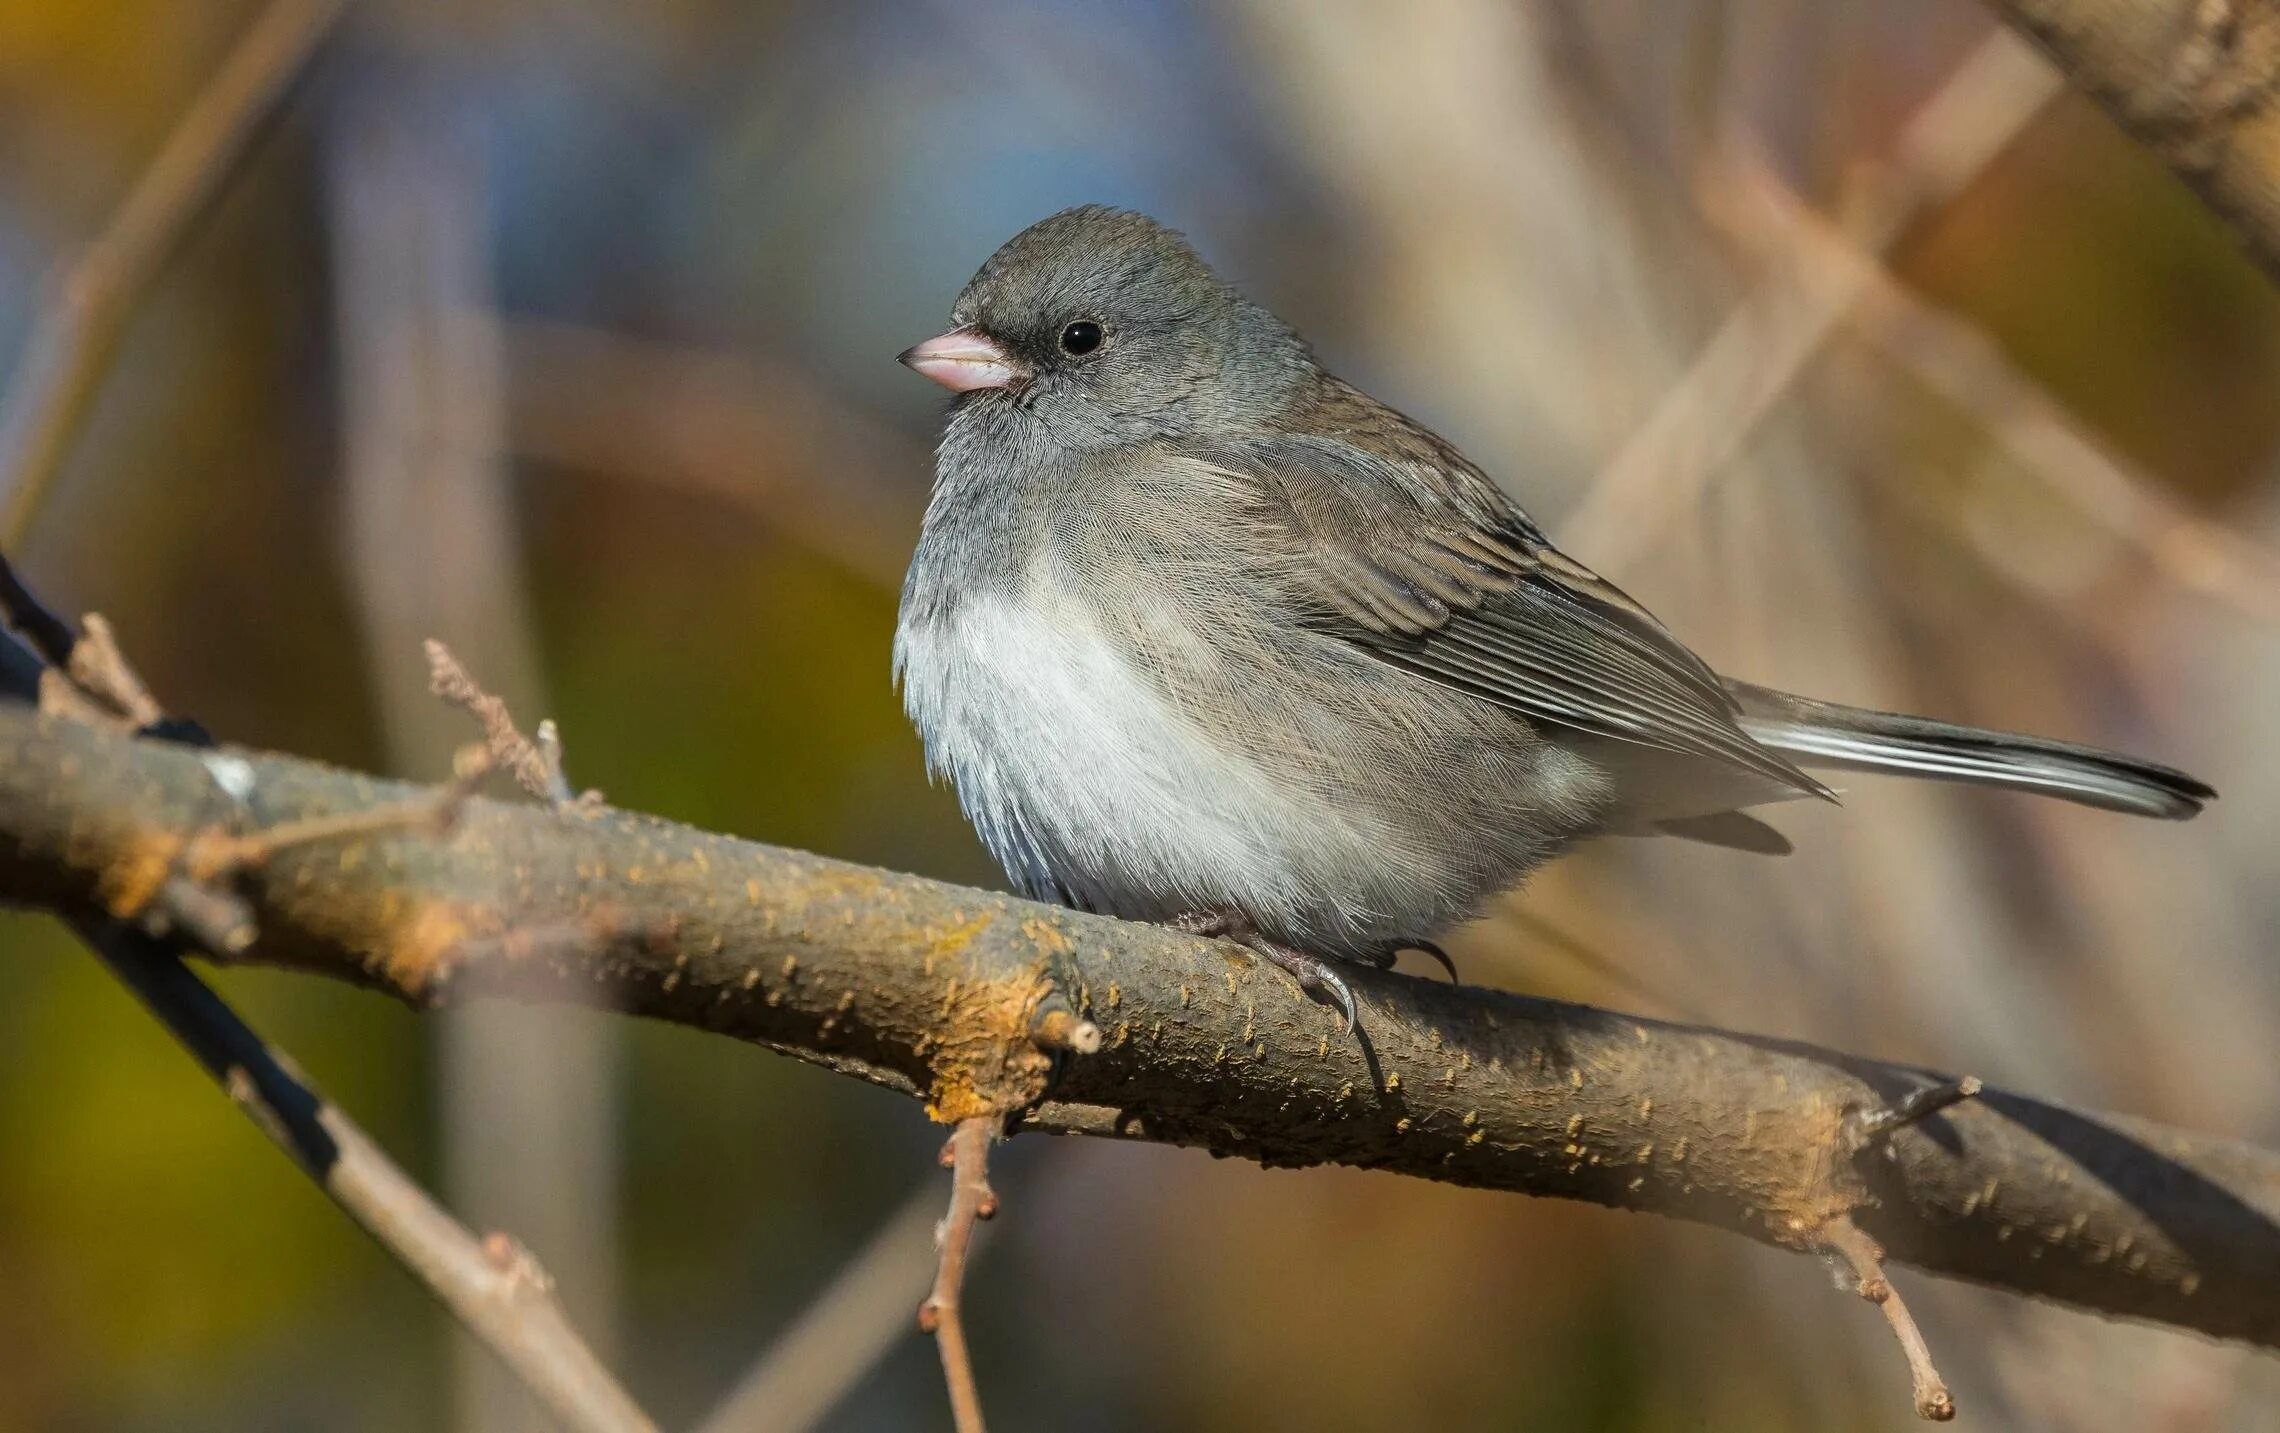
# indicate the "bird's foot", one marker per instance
pixel 1315 975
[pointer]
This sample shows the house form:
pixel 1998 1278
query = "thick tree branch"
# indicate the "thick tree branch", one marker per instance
pixel 971 1001
pixel 2195 81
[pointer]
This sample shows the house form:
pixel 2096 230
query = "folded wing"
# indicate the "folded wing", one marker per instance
pixel 1417 559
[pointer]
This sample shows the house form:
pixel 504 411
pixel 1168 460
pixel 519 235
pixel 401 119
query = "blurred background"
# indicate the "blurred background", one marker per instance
pixel 1836 332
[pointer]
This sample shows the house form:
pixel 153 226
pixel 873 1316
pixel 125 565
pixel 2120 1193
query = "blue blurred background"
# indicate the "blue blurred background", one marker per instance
pixel 564 332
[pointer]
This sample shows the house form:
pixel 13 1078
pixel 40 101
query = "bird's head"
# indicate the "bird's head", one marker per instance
pixel 1102 327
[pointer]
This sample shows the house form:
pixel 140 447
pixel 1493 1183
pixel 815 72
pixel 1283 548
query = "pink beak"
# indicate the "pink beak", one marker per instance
pixel 961 361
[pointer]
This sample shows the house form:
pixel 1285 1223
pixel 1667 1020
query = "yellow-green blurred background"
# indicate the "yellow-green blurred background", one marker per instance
pixel 564 331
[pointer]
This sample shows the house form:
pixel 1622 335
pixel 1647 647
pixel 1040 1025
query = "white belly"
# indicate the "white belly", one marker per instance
pixel 1058 746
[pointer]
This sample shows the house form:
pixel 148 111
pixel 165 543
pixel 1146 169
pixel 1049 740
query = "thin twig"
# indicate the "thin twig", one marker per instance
pixel 91 677
pixel 77 333
pixel 1663 467
pixel 101 671
pixel 1865 1259
pixel 967 1154
pixel 1916 1106
pixel 216 854
pixel 88 665
pixel 493 1286
pixel 208 916
pixel 536 764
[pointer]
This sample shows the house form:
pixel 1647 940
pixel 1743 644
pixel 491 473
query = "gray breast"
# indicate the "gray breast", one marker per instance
pixel 1331 826
pixel 1135 725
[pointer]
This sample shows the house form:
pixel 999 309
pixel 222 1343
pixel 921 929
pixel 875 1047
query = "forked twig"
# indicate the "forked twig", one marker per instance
pixel 87 675
pixel 535 762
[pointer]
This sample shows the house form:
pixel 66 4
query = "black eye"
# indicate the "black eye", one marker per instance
pixel 1081 337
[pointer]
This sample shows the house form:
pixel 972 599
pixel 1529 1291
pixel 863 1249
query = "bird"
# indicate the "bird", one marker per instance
pixel 1204 635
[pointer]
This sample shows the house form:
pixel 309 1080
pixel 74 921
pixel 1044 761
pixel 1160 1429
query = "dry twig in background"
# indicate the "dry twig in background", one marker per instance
pixel 1764 343
pixel 842 1333
pixel 78 331
pixel 431 543
pixel 729 427
pixel 1962 365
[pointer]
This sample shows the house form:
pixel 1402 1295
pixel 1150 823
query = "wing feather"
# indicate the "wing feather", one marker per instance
pixel 1427 567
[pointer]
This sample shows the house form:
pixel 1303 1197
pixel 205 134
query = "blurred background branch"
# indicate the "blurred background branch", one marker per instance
pixel 430 541
pixel 2195 81
pixel 1965 368
pixel 848 1329
pixel 69 352
pixel 1656 478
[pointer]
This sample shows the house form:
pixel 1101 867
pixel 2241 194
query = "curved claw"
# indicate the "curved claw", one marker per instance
pixel 1313 974
pixel 1329 982
pixel 1433 949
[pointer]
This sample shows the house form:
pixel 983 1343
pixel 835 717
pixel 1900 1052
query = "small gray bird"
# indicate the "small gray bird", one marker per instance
pixel 1205 635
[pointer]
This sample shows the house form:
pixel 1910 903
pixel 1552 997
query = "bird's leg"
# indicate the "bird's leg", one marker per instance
pixel 1210 925
pixel 1316 976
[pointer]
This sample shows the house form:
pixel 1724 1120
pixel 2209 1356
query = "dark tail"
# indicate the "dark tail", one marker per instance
pixel 1829 736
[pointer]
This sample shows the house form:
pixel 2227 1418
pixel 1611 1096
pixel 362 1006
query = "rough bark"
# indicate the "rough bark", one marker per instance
pixel 968 1000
